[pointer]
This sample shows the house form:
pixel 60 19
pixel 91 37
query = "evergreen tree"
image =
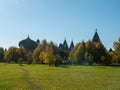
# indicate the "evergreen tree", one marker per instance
pixel 80 53
pixel 100 51
pixel 90 48
pixel 2 51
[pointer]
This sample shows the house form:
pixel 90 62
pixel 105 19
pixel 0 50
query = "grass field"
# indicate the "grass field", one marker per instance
pixel 43 77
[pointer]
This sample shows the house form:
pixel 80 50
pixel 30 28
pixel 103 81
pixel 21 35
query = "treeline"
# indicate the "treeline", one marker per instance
pixel 84 53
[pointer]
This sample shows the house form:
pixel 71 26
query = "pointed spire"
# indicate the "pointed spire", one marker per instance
pixel 65 45
pixel 96 37
pixel 71 45
pixel 28 37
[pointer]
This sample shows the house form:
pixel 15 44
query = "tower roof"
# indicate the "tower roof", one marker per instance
pixel 96 37
pixel 28 44
pixel 65 45
pixel 71 45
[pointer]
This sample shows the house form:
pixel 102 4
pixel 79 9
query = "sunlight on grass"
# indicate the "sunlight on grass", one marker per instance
pixel 43 77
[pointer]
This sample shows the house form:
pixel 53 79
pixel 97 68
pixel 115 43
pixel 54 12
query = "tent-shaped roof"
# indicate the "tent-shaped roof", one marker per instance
pixel 96 37
pixel 71 45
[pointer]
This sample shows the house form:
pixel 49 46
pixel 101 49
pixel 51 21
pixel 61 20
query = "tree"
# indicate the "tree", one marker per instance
pixel 100 51
pixel 80 53
pixel 29 58
pixel 11 55
pixel 57 60
pixel 22 53
pixel 116 55
pixel 117 46
pixel 72 55
pixel 1 54
pixel 50 54
pixel 90 59
pixel 106 59
pixel 20 60
pixel 36 53
pixel 43 57
pixel 90 48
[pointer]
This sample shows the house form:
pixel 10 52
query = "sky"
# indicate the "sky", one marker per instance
pixel 56 20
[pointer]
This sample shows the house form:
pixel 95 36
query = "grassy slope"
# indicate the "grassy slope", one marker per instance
pixel 42 77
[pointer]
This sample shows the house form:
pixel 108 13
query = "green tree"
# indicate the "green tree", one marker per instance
pixel 100 51
pixel 2 51
pixel 20 60
pixel 80 53
pixel 90 48
pixel 57 60
pixel 106 59
pixel 29 58
pixel 116 54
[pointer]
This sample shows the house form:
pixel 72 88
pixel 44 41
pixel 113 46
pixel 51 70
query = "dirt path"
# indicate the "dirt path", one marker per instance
pixel 26 78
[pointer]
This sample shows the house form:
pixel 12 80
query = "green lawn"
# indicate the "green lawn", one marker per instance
pixel 43 77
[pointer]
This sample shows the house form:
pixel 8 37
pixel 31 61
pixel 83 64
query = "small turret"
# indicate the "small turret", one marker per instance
pixel 38 41
pixel 71 45
pixel 65 45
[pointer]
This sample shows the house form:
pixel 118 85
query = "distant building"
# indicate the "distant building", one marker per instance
pixel 28 44
pixel 65 47
pixel 71 45
pixel 96 38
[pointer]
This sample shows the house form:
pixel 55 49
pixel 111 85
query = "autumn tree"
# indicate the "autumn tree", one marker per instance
pixel 116 55
pixel 11 55
pixel 72 55
pixel 36 53
pixel 43 57
pixel 29 58
pixel 49 54
pixel 22 53
pixel 80 53
pixel 77 55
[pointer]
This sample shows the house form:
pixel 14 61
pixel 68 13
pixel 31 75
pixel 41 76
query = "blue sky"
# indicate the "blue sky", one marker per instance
pixel 55 20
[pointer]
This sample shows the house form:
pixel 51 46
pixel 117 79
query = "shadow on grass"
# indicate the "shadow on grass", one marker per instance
pixel 64 66
pixel 115 65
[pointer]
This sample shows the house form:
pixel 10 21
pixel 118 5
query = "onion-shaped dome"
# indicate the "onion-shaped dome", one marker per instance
pixel 28 44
